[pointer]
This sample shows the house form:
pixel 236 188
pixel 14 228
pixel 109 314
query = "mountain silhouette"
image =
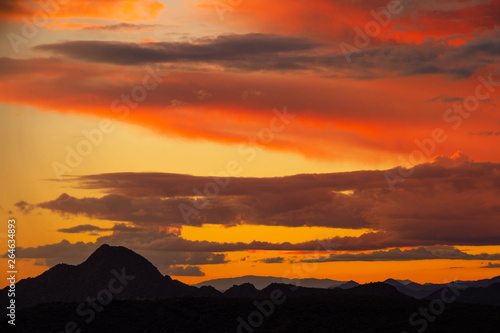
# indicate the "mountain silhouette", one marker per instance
pixel 424 290
pixel 478 295
pixel 372 289
pixel 481 283
pixel 414 289
pixel 243 290
pixel 377 289
pixel 113 268
pixel 347 285
pixel 146 301
pixel 208 291
pixel 118 273
pixel 260 282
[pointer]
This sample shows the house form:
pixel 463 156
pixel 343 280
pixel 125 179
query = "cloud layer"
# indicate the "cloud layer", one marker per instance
pixel 450 201
pixel 254 52
pixel 421 253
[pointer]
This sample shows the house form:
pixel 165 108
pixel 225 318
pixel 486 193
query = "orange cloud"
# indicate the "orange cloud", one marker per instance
pixel 348 120
pixel 126 10
pixel 334 21
pixel 60 25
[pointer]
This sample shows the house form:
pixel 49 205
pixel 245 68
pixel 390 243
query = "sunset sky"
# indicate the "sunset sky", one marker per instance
pixel 342 139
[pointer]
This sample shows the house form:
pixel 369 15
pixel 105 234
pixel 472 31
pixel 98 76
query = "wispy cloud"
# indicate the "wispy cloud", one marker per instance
pixel 184 271
pixel 124 26
pixel 421 253
pixel 492 265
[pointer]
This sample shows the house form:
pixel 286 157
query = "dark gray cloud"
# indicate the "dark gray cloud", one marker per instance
pixel 447 202
pixel 274 260
pixel 483 48
pixel 184 271
pixel 488 133
pixel 93 228
pixel 414 8
pixel 144 211
pixel 168 250
pixel 225 48
pixel 421 253
pixel 492 265
pixel 82 229
pixel 164 249
pixel 68 253
pixel 23 206
pixel 255 52
pixel 62 252
pixel 122 27
pixel 445 98
pixel 430 57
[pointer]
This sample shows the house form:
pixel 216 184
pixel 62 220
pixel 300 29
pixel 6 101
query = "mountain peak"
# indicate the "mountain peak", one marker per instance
pixel 106 249
pixel 68 283
pixel 376 289
pixel 347 285
pixel 108 254
pixel 242 290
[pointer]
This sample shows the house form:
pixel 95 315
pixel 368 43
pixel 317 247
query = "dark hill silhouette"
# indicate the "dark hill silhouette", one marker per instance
pixel 68 283
pixel 290 290
pixel 209 291
pixel 147 301
pixel 133 277
pixel 372 289
pixel 481 283
pixel 347 285
pixel 377 289
pixel 478 295
pixel 243 290
pixel 414 289
pixel 260 282
pixel 424 290
pixel 303 314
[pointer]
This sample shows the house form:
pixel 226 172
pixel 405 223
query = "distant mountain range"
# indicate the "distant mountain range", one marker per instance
pixel 478 295
pixel 347 285
pixel 424 290
pixel 120 273
pixel 260 282
pixel 406 287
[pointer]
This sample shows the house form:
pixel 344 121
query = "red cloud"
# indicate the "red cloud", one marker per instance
pixel 409 22
pixel 349 120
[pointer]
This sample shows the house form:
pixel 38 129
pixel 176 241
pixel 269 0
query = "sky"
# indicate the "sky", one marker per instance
pixel 341 139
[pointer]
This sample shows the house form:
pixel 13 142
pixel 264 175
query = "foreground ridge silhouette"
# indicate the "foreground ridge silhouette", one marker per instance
pixel 143 300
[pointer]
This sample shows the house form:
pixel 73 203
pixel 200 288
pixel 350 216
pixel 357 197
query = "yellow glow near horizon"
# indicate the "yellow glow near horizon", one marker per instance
pixel 443 271
pixel 274 234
